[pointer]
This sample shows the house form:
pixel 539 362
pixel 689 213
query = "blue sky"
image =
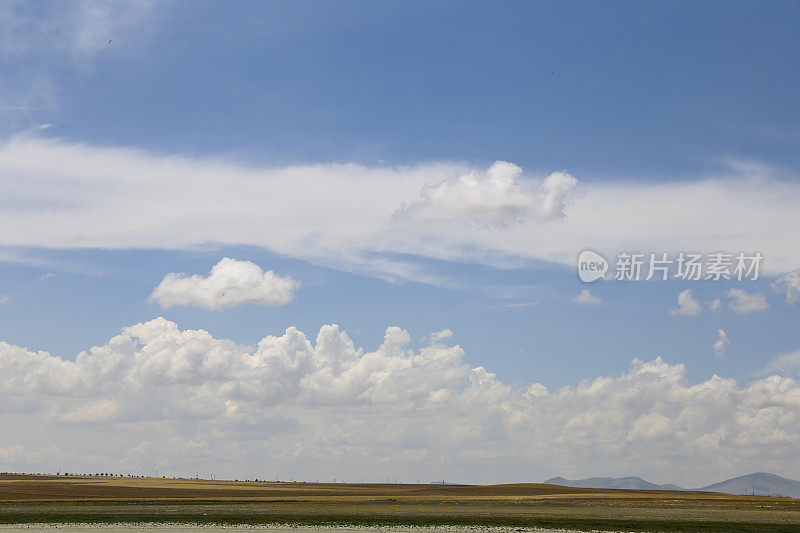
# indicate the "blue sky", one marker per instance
pixel 324 141
pixel 653 90
pixel 544 336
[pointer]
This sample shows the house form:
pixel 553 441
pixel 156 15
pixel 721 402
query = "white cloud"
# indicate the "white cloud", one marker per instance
pixel 230 283
pixel 352 217
pixel 185 401
pixel 722 343
pixel 715 304
pixel 4 298
pixel 789 284
pixel 558 193
pixel 440 336
pixel 586 297
pixel 497 199
pixel 785 364
pixel 687 305
pixel 743 302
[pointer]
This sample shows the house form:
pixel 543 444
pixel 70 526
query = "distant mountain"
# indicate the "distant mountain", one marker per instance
pixel 629 482
pixel 761 483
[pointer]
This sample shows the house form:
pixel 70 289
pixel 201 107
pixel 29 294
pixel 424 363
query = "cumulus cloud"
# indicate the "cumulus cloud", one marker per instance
pixel 185 401
pixel 440 336
pixel 4 298
pixel 558 190
pixel 230 283
pixel 789 284
pixel 363 219
pixel 586 297
pixel 722 343
pixel 496 199
pixel 687 305
pixel 743 302
pixel 715 304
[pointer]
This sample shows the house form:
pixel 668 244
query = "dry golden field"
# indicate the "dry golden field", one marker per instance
pixel 60 499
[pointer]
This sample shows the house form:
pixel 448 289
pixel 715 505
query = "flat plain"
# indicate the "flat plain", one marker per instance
pixel 29 499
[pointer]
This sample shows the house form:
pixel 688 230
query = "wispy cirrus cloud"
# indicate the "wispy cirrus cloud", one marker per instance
pixel 786 364
pixel 78 28
pixel 38 38
pixel 721 346
pixel 789 285
pixel 345 215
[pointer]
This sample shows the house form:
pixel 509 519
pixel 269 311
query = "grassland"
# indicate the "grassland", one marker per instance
pixel 81 499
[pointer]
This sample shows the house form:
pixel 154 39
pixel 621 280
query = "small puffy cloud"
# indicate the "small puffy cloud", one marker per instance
pixel 743 302
pixel 440 336
pixel 789 284
pixel 687 305
pixel 4 298
pixel 230 283
pixel 49 275
pixel 715 304
pixel 722 343
pixel 586 297
pixel 496 199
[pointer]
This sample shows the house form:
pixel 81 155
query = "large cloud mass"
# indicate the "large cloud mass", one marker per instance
pixel 183 401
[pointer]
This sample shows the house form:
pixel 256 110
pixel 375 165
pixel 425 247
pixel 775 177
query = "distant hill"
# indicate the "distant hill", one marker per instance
pixel 760 483
pixel 629 482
